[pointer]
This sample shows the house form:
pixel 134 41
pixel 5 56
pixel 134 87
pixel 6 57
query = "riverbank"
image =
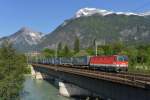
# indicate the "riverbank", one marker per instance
pixel 39 90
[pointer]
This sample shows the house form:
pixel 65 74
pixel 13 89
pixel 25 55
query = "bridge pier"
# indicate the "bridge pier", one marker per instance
pixel 35 74
pixel 70 90
pixel 39 76
pixel 65 89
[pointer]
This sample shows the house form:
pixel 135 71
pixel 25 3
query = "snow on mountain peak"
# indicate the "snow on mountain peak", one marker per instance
pixel 27 35
pixel 92 11
pixel 145 13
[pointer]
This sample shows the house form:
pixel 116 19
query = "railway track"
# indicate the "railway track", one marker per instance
pixel 138 80
pixel 137 76
pixel 127 76
pixel 132 76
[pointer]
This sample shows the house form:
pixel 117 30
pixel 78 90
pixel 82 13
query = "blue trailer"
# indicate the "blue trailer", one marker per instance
pixel 66 61
pixel 81 61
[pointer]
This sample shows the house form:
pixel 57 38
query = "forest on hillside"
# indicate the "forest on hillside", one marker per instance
pixel 139 55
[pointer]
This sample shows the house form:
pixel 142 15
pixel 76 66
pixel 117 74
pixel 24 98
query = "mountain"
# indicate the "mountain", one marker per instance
pixel 91 11
pixel 88 24
pixel 104 26
pixel 24 39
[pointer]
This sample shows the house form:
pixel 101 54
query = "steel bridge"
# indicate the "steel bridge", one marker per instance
pixel 115 86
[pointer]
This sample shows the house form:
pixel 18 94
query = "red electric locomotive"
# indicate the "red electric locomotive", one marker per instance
pixel 115 63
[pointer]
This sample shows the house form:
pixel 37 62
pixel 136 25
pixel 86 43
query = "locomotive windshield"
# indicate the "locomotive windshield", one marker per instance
pixel 125 58
pixel 122 58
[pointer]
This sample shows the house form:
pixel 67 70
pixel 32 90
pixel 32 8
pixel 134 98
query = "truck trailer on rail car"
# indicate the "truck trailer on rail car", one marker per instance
pixel 115 63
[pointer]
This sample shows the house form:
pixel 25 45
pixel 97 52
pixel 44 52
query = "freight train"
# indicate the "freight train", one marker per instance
pixel 114 63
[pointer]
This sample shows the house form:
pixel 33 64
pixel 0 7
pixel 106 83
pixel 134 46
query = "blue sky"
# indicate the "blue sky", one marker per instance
pixel 46 15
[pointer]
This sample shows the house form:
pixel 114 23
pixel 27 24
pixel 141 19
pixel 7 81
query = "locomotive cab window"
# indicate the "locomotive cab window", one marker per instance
pixel 120 58
pixel 125 58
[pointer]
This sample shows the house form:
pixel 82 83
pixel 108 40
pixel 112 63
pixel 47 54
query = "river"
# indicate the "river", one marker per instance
pixel 40 90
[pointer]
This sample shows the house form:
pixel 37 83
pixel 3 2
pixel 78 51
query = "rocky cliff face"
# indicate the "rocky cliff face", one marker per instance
pixel 24 39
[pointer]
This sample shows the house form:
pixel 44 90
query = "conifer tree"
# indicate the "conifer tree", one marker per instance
pixel 77 45
pixel 12 66
pixel 59 49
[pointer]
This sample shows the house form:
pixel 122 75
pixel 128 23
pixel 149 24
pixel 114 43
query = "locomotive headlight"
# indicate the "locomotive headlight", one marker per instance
pixel 118 65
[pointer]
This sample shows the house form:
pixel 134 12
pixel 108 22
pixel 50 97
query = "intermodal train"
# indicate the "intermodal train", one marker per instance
pixel 114 63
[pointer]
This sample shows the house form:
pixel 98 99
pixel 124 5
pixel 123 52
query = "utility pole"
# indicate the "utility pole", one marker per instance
pixel 36 56
pixel 97 43
pixel 27 57
pixel 95 48
pixel 56 51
